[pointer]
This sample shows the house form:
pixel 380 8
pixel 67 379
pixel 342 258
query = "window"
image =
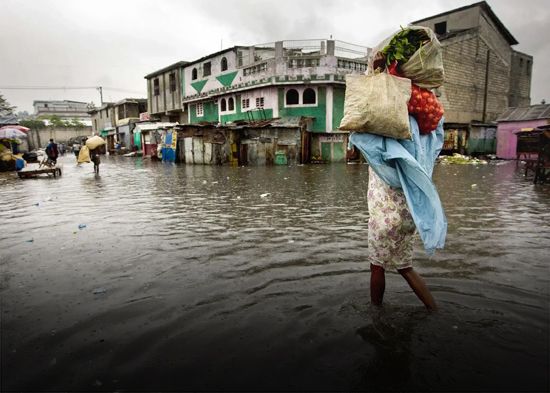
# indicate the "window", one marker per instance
pixel 156 87
pixel 239 58
pixel 194 74
pixel 259 102
pixel 223 105
pixel 224 64
pixel 107 113
pixel 441 28
pixel 206 69
pixel 172 80
pixel 121 112
pixel 309 96
pixel 292 97
pixel 230 104
pixel 528 68
pixel 520 63
pixel 199 109
pixel 246 103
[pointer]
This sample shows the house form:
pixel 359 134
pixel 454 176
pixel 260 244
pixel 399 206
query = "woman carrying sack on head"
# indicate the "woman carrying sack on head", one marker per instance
pixel 93 144
pixel 401 196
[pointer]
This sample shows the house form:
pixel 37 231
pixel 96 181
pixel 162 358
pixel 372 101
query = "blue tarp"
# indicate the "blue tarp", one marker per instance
pixel 408 164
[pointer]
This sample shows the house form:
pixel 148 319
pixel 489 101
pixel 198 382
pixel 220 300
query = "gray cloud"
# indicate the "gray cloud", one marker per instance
pixel 115 43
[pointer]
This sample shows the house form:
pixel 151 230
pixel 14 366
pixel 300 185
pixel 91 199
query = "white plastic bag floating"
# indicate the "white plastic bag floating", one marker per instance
pixel 377 104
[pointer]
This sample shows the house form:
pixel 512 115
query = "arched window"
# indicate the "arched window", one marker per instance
pixel 309 96
pixel 194 74
pixel 224 64
pixel 292 97
pixel 230 104
pixel 223 106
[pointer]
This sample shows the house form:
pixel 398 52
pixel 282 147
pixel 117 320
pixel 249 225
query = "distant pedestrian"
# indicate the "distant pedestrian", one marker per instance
pixel 94 155
pixel 52 152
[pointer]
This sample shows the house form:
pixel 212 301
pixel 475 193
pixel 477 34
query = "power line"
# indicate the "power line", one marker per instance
pixel 47 87
pixel 68 88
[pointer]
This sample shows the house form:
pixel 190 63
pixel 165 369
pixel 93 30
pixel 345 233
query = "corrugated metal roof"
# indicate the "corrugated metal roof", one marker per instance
pixel 533 112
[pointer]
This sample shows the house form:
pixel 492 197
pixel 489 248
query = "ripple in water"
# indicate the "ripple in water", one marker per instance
pixel 219 278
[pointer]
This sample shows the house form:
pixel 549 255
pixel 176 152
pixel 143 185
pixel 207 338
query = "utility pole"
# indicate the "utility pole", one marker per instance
pixel 100 94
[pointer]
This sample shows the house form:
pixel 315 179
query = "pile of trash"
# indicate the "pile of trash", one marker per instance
pixel 460 159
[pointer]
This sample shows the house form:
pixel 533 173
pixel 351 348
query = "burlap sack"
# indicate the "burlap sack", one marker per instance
pixel 377 104
pixel 84 155
pixel 94 142
pixel 425 67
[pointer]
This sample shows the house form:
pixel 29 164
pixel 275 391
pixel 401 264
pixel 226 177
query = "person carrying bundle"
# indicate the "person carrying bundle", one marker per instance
pixel 397 125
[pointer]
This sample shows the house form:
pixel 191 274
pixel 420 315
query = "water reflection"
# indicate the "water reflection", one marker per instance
pixel 240 278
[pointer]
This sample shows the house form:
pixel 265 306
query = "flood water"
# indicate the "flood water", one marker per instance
pixel 191 278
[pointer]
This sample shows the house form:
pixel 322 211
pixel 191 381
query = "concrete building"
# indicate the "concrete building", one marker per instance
pixel 164 93
pixel 65 110
pixel 114 121
pixel 103 118
pixel 262 82
pixel 127 113
pixel 484 74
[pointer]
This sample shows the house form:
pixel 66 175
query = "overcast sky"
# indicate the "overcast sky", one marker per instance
pixel 115 43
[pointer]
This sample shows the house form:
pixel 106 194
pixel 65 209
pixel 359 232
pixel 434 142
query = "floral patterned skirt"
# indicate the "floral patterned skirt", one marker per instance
pixel 391 226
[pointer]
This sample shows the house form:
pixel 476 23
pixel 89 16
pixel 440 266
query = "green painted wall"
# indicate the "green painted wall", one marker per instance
pixel 227 79
pixel 198 86
pixel 318 112
pixel 338 152
pixel 210 112
pixel 240 115
pixel 483 146
pixel 337 107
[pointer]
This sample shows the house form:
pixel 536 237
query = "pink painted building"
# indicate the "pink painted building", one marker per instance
pixel 513 121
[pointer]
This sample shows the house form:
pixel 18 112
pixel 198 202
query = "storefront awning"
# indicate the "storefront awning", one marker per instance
pixel 107 131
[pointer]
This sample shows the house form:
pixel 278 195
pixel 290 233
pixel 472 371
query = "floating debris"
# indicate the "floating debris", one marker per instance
pixel 460 159
pixel 82 226
pixel 99 291
pixel 265 195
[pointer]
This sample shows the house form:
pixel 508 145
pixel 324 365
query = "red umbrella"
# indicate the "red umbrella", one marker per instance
pixel 20 128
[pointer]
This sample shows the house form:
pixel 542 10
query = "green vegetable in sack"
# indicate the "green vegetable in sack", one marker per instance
pixel 403 45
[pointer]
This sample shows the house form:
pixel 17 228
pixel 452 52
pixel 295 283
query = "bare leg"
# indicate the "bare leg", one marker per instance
pixel 377 284
pixel 419 287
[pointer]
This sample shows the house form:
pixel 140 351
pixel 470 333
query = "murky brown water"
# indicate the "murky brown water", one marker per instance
pixel 186 278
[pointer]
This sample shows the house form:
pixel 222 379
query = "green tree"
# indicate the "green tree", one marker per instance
pixel 54 121
pixel 5 108
pixel 76 123
pixel 33 124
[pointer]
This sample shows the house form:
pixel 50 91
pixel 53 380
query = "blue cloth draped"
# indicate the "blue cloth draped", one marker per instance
pixel 408 164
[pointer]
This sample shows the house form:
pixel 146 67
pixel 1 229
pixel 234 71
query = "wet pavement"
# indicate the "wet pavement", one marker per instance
pixel 162 277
